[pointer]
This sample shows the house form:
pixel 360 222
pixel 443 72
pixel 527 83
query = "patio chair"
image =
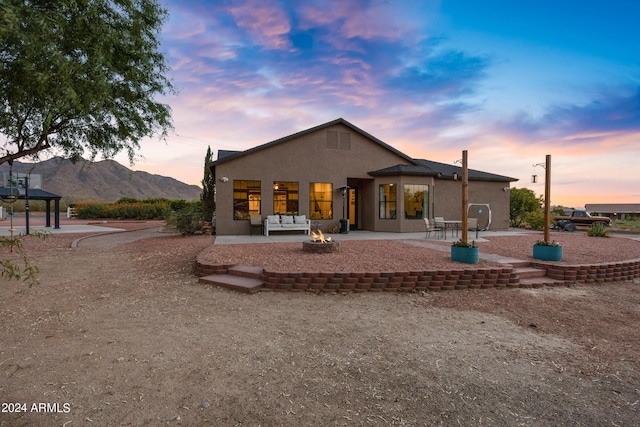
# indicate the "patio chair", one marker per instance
pixel 430 228
pixel 439 223
pixel 256 222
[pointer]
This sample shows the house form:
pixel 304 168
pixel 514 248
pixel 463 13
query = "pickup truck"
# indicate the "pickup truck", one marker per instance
pixel 571 219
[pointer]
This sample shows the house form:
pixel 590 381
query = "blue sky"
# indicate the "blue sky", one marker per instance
pixel 508 81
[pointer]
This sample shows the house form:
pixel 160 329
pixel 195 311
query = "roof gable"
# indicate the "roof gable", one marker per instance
pixel 226 155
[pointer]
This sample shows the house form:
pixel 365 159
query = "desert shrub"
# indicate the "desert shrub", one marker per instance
pixel 534 220
pixel 598 230
pixel 188 219
pixel 123 210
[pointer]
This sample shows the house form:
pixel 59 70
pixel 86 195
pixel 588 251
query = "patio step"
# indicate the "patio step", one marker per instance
pixel 247 271
pixel 234 282
pixel 529 272
pixel 241 278
pixel 533 277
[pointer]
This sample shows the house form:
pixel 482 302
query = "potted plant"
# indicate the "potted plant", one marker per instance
pixel 465 252
pixel 547 251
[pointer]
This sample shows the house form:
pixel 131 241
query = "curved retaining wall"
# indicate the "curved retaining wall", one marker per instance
pixel 434 280
pixel 592 273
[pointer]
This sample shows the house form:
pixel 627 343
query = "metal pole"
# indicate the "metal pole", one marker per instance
pixel 547 197
pixel 465 197
pixel 26 202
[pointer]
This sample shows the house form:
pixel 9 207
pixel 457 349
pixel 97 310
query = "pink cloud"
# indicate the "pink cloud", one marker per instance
pixel 265 21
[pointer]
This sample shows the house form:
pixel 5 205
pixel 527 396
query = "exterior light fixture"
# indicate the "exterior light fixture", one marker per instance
pixel 224 179
pixel 534 178
pixel 455 176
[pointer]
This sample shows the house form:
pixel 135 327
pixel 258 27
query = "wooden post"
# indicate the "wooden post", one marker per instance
pixel 547 197
pixel 465 198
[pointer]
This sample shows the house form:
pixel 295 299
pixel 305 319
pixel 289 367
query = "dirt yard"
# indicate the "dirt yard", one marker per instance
pixel 120 333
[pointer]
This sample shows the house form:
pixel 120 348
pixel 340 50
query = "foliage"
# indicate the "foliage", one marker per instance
pixel 521 202
pixel 534 220
pixel 133 209
pixel 631 223
pixel 9 268
pixel 208 187
pixel 81 75
pixel 188 220
pixel 545 243
pixel 461 244
pixel 598 230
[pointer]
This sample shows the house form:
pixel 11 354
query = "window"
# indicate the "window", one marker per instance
pixel 321 200
pixel 387 201
pixel 246 199
pixel 416 201
pixel 285 198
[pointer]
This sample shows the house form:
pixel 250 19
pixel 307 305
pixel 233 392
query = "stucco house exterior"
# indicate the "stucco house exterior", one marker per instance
pixel 337 171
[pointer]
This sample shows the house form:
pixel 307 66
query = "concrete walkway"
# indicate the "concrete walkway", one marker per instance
pixel 364 235
pixel 4 231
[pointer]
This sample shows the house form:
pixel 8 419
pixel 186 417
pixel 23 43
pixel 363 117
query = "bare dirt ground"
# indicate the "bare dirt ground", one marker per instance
pixel 120 333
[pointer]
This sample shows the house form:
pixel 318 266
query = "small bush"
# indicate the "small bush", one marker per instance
pixel 534 220
pixel 598 230
pixel 188 219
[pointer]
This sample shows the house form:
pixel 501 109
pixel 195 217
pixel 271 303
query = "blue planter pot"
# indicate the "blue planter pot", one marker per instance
pixel 465 255
pixel 547 253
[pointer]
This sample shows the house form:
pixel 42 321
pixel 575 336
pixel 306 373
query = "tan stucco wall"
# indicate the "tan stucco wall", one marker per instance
pixel 304 160
pixel 448 200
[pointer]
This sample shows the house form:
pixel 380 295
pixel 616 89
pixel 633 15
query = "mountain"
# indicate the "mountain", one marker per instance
pixel 105 181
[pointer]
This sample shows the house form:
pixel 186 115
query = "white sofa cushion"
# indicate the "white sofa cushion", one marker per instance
pixel 286 219
pixel 300 219
pixel 273 219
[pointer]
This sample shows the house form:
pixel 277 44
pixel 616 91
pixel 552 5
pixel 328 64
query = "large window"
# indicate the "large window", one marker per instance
pixel 246 199
pixel 387 201
pixel 285 198
pixel 321 200
pixel 416 201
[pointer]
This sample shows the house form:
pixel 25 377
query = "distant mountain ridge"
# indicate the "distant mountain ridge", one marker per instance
pixel 105 181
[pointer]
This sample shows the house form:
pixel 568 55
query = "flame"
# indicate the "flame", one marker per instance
pixel 319 237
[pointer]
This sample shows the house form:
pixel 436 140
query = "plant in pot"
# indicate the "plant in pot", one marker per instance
pixel 465 252
pixel 547 251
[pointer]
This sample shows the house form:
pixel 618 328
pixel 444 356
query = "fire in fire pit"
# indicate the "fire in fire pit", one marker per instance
pixel 320 245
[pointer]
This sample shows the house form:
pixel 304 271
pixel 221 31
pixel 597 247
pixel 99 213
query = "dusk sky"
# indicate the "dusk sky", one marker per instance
pixel 508 81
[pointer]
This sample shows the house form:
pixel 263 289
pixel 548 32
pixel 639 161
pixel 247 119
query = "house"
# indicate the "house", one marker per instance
pixel 615 210
pixel 336 171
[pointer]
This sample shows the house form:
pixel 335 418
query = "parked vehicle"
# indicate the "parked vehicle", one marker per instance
pixel 571 219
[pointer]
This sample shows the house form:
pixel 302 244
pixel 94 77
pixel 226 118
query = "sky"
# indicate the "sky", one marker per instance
pixel 508 81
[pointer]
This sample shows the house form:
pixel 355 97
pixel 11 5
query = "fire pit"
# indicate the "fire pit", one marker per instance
pixel 320 245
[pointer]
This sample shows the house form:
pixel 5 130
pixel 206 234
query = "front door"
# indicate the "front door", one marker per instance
pixel 353 208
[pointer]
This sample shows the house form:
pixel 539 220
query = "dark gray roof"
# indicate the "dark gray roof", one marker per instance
pixel 447 172
pixel 34 194
pixel 226 153
pixel 412 170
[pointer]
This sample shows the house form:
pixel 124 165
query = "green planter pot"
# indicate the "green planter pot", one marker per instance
pixel 547 253
pixel 465 255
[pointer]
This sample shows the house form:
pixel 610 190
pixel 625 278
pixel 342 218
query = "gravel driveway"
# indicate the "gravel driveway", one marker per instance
pixel 119 332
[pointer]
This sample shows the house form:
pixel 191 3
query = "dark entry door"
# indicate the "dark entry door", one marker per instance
pixel 353 208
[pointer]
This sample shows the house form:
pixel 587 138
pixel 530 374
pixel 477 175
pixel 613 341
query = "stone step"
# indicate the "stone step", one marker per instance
pixel 518 263
pixel 234 282
pixel 528 272
pixel 247 271
pixel 539 282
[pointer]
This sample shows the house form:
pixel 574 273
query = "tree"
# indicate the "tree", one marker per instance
pixel 522 202
pixel 208 187
pixel 80 75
